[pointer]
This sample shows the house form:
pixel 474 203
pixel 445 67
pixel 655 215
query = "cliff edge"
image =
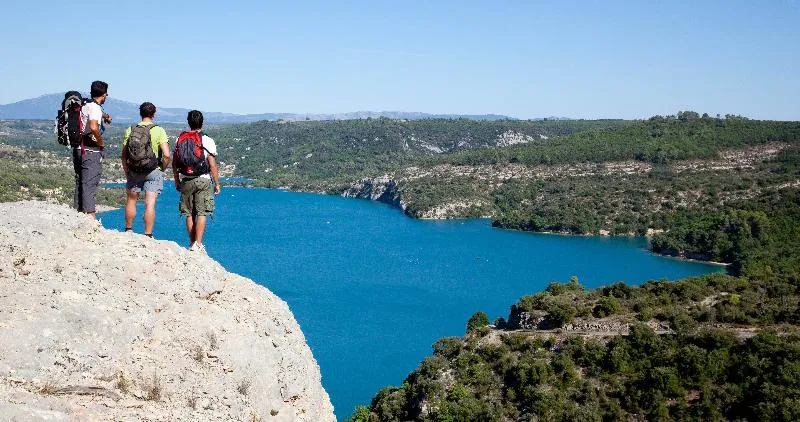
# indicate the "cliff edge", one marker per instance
pixel 102 325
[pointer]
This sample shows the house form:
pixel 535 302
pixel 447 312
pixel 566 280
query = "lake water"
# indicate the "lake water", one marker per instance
pixel 372 289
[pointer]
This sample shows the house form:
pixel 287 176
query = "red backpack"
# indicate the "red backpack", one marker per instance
pixel 190 156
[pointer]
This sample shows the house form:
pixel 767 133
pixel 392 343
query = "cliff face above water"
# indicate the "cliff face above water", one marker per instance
pixel 382 189
pixel 102 325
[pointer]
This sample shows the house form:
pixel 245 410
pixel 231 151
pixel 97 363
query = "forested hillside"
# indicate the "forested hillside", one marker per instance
pixel 311 155
pixel 658 140
pixel 44 176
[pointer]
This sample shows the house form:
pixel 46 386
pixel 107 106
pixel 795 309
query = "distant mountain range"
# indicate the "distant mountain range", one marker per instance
pixel 45 106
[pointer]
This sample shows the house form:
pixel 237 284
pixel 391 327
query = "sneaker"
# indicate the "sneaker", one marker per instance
pixel 191 247
pixel 199 247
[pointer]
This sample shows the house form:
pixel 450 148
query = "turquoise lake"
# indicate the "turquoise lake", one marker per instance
pixel 373 289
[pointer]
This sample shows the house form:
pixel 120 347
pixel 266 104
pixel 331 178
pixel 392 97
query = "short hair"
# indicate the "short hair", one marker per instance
pixel 147 109
pixel 195 120
pixel 99 88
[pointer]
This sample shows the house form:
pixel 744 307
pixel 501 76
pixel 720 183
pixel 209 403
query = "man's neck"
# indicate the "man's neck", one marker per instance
pixel 147 120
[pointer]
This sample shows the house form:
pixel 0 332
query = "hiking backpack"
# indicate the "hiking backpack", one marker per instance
pixel 69 125
pixel 189 154
pixel 140 156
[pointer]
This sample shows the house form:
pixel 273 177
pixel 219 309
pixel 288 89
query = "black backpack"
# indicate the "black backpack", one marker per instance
pixel 190 156
pixel 141 158
pixel 69 126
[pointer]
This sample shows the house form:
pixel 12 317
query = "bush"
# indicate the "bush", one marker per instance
pixel 559 313
pixel 477 321
pixel 607 305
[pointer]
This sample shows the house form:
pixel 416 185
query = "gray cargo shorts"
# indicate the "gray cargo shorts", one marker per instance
pixel 147 182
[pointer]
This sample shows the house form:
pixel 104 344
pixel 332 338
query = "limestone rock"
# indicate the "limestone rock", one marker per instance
pixel 102 325
pixel 382 189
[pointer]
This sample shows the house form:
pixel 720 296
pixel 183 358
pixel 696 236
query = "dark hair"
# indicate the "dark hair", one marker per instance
pixel 147 109
pixel 195 120
pixel 99 88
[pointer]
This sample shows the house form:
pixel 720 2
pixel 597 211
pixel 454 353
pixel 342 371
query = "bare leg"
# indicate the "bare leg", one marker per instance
pixel 149 211
pixel 199 228
pixel 92 215
pixel 190 227
pixel 130 209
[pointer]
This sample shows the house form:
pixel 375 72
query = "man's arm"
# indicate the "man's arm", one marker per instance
pixel 176 176
pixel 94 128
pixel 124 157
pixel 212 165
pixel 164 155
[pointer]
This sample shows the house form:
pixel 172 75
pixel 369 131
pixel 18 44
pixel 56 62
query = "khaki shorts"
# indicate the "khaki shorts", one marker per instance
pixel 197 197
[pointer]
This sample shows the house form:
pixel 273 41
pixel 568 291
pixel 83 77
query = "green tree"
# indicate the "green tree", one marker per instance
pixel 477 321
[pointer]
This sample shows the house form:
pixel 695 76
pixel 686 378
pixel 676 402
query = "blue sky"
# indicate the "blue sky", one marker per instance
pixel 524 59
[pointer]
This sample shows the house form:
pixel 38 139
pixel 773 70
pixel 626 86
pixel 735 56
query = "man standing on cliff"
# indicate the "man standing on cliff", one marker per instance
pixel 87 157
pixel 195 157
pixel 145 154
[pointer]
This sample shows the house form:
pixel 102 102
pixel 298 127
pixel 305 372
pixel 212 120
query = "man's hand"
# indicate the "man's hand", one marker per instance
pixel 107 118
pixel 217 187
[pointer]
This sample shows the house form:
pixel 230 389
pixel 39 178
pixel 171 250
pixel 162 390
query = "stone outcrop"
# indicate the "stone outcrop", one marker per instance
pixel 523 320
pixel 383 189
pixel 103 325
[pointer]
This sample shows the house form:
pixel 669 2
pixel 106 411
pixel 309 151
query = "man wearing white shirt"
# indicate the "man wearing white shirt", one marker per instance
pixel 87 157
pixel 195 185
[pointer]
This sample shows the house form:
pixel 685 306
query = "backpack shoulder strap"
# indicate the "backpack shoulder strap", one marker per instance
pixel 200 135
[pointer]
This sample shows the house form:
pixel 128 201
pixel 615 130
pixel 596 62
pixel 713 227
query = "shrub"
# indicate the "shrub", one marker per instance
pixel 607 305
pixel 477 321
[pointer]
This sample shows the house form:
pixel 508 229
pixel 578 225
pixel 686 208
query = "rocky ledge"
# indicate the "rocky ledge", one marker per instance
pixel 102 325
pixel 382 189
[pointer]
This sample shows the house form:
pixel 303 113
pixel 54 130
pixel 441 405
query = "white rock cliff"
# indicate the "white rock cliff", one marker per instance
pixel 101 325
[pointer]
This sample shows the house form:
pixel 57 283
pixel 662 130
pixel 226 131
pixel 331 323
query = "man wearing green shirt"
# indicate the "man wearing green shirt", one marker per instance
pixel 149 182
